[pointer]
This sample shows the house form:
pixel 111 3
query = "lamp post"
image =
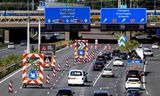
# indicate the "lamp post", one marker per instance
pixel 155 1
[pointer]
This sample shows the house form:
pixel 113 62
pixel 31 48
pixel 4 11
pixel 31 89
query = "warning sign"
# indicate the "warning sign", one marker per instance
pixel 47 59
pixel 47 48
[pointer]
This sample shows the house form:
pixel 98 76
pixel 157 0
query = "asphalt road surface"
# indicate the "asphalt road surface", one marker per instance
pixel 116 85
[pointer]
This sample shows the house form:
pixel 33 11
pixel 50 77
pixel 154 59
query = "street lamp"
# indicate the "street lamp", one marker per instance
pixel 155 1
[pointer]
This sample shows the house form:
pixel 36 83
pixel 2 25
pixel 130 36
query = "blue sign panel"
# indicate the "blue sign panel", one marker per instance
pixel 32 75
pixel 123 16
pixel 42 3
pixel 134 61
pixel 67 15
pixel 81 52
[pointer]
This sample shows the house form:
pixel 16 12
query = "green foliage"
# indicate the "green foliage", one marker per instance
pixel 131 44
pixel 6 61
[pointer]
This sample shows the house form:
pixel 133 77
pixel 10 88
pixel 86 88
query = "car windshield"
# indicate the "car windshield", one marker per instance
pixel 148 51
pixel 98 62
pixel 100 94
pixel 76 73
pixel 118 59
pixel 64 93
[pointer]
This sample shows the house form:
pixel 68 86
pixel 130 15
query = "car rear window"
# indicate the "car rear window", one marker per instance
pixel 147 50
pixel 64 93
pixel 118 59
pixel 133 80
pixel 107 69
pixel 76 73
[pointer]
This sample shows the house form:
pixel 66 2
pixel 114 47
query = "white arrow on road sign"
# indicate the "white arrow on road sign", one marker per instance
pixel 105 20
pixel 85 20
pixel 142 20
pixel 33 75
pixel 123 20
pixel 82 45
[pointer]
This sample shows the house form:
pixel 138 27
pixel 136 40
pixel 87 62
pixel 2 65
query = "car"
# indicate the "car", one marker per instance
pixel 101 93
pixel 23 43
pixel 133 74
pixel 108 55
pixel 65 92
pixel 123 55
pixel 77 77
pixel 155 46
pixel 101 58
pixel 148 52
pixel 98 65
pixel 11 45
pixel 133 92
pixel 118 62
pixel 115 52
pixel 107 72
pixel 133 83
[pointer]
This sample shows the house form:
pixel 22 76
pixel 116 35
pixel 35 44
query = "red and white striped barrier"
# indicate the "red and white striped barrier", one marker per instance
pixel 84 60
pixel 75 61
pixel 67 62
pixel 54 72
pixel 48 79
pixel 59 67
pixel 10 87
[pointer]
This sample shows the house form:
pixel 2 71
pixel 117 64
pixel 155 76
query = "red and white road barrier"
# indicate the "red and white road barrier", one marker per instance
pixel 59 67
pixel 54 72
pixel 10 87
pixel 67 62
pixel 48 79
pixel 75 61
pixel 84 60
pixel 79 60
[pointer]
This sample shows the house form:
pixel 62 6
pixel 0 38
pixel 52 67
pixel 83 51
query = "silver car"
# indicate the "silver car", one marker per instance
pixel 11 45
pixel 107 72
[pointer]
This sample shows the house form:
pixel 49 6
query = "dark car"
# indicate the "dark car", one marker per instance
pixel 108 55
pixel 101 58
pixel 115 52
pixel 23 43
pixel 65 92
pixel 133 92
pixel 133 74
pixel 123 55
pixel 98 65
pixel 101 93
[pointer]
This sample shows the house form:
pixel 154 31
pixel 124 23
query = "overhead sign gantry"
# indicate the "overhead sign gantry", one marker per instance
pixel 123 19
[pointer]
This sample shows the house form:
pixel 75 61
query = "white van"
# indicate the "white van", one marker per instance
pixel 77 77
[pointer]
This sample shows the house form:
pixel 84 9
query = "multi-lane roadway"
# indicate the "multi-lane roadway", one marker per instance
pixel 116 86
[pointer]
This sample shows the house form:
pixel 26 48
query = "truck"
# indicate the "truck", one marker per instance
pixel 136 61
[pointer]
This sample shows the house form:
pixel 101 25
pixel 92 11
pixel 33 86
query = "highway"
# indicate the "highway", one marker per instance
pixel 18 50
pixel 116 86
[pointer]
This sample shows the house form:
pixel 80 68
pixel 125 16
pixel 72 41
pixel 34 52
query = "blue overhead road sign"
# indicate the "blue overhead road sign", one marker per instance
pixel 123 16
pixel 67 15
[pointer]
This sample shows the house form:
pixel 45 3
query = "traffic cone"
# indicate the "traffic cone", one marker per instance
pixel 59 67
pixel 54 72
pixel 10 87
pixel 48 79
pixel 66 63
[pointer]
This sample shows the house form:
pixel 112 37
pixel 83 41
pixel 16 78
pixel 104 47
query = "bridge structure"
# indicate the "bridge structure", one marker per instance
pixel 18 19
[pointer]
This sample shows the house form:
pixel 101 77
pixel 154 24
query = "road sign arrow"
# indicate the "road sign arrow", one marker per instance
pixel 123 20
pixel 85 20
pixel 105 20
pixel 82 45
pixel 142 20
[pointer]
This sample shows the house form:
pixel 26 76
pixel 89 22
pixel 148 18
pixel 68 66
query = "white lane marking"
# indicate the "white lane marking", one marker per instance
pixel 20 87
pixel 56 80
pixel 116 94
pixel 144 85
pixel 101 73
pixel 51 88
pixel 21 69
pixel 15 92
pixel 48 92
pixel 59 77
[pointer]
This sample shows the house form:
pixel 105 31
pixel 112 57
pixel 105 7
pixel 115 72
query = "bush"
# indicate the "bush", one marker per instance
pixel 131 44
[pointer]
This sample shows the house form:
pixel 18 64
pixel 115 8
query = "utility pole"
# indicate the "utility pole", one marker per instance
pixel 39 33
pixel 28 36
pixel 119 3
pixel 155 1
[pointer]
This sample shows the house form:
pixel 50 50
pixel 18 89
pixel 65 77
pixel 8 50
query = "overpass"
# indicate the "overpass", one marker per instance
pixel 10 20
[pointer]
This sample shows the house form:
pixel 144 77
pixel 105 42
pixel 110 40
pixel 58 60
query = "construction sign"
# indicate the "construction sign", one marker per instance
pixel 47 48
pixel 33 71
pixel 47 59
pixel 81 49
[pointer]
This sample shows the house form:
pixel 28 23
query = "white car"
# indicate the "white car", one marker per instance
pixel 107 72
pixel 155 46
pixel 11 45
pixel 118 62
pixel 77 77
pixel 133 83
pixel 148 52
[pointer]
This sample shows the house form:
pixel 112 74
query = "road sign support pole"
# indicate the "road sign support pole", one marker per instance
pixel 28 37
pixel 39 33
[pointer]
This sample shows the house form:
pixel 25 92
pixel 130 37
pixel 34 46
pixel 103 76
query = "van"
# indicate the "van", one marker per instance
pixel 77 77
